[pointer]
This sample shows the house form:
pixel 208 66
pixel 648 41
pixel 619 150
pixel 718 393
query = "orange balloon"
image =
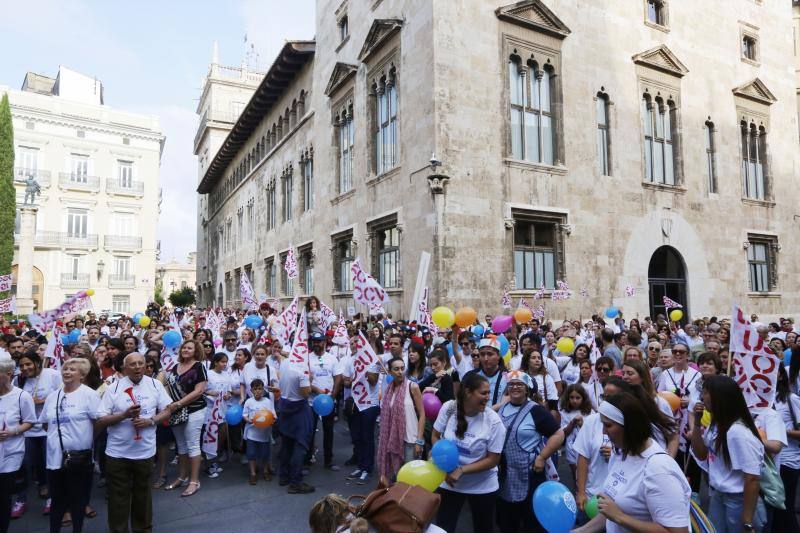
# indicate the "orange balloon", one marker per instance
pixel 263 418
pixel 465 317
pixel 672 399
pixel 523 315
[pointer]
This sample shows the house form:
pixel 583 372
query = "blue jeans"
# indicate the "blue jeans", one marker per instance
pixel 725 512
pixel 258 451
pixel 291 457
pixel 363 434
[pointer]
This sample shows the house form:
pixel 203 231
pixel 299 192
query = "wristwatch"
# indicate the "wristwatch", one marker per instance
pixel 747 526
pixel 420 442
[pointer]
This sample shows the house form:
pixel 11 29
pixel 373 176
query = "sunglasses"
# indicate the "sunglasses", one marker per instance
pixel 680 352
pixel 475 355
pixel 208 346
pixel 603 369
pixel 653 349
pixel 463 343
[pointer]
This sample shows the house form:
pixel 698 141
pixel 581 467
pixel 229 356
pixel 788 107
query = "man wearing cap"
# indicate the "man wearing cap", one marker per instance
pixel 492 369
pixel 182 322
pixel 295 417
pixel 326 378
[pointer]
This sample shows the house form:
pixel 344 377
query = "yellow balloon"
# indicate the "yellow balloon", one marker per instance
pixel 90 292
pixel 465 317
pixel 507 358
pixel 675 315
pixel 144 321
pixel 422 473
pixel 705 420
pixel 443 317
pixel 565 345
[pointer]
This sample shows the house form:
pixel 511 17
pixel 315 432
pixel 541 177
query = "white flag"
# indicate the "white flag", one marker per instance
pixel 286 323
pixel 366 289
pixel 755 364
pixel 214 418
pixel 363 358
pixel 247 293
pixel 299 353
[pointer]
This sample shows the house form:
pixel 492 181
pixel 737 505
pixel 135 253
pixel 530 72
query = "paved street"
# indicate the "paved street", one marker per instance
pixel 227 503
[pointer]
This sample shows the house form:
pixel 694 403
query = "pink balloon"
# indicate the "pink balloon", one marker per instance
pixel 501 323
pixel 694 365
pixel 431 403
pixel 217 343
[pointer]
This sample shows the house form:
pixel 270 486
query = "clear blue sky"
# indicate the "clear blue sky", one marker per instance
pixel 150 56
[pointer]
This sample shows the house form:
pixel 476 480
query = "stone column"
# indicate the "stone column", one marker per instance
pixel 438 185
pixel 25 259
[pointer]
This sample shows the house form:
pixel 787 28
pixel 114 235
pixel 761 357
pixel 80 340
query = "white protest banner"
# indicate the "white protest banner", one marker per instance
pixel 286 323
pixel 8 305
pixel 366 289
pixel 247 293
pixel 505 301
pixel 328 316
pixel 290 265
pixel 363 358
pixel 424 315
pixel 5 282
pixel 169 358
pixel 214 418
pixel 755 364
pixel 299 354
pixel 55 349
pixel 340 337
pixel 45 320
pixel 524 305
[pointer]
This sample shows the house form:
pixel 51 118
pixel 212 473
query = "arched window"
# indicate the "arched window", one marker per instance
pixel 658 127
pixel 385 130
pixel 603 141
pixel 532 121
pixel 711 148
pixel 754 157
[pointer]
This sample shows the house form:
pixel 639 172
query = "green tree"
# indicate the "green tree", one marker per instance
pixel 8 196
pixel 158 296
pixel 182 297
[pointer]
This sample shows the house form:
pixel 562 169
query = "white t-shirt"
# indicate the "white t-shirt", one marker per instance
pixel 566 418
pixel 746 452
pixel 292 380
pixel 217 382
pixel 251 372
pixel 571 373
pixel 547 387
pixel 77 410
pixel 771 422
pixel 790 454
pixel 16 407
pixel 677 381
pixel 595 391
pixel 324 368
pixel 464 366
pixel 251 407
pixel 650 487
pixel 552 369
pixel 587 444
pixel 485 433
pixel 40 387
pixel 151 396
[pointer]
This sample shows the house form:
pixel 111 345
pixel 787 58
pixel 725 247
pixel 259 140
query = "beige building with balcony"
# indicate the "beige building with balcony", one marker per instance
pixel 98 168
pixel 649 144
pixel 175 275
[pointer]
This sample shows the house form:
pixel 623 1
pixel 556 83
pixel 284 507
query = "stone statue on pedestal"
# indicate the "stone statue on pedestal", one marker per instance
pixel 32 188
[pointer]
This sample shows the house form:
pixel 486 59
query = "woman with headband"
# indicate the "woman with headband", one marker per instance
pixel 645 487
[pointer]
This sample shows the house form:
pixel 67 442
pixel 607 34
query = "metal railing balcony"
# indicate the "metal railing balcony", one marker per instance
pixel 78 182
pixel 41 176
pixel 129 188
pixel 116 281
pixel 122 242
pixel 74 281
pixel 63 238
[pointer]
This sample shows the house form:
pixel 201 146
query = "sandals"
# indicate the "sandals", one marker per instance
pixel 90 513
pixel 188 492
pixel 67 520
pixel 180 482
pixel 160 482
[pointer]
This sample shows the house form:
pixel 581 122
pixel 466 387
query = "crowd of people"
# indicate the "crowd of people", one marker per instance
pixel 109 414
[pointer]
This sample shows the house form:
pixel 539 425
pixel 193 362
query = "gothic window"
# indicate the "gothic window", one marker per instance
pixel 711 149
pixel 658 125
pixel 762 262
pixel 532 117
pixel 386 252
pixel 385 124
pixel 288 191
pixel 307 166
pixel 343 257
pixel 603 140
pixel 345 138
pixel 306 264
pixel 754 159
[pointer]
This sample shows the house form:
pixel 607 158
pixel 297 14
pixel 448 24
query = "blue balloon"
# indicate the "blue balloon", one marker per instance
pixel 554 506
pixel 172 339
pixel 136 317
pixel 503 344
pixel 787 357
pixel 74 336
pixel 450 349
pixel 612 312
pixel 389 379
pixel 323 405
pixel 234 414
pixel 65 339
pixel 478 330
pixel 253 321
pixel 445 455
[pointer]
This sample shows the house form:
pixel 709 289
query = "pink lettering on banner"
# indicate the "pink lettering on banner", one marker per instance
pixel 299 353
pixel 755 364
pixel 364 357
pixel 366 289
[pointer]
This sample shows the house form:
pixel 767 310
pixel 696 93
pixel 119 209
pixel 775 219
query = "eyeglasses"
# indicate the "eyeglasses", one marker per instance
pixel 230 340
pixel 603 369
pixel 516 384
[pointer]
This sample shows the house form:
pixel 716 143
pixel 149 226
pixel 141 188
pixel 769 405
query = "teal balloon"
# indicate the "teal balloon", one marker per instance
pixel 74 336
pixel 136 317
pixel 478 330
pixel 389 379
pixel 554 507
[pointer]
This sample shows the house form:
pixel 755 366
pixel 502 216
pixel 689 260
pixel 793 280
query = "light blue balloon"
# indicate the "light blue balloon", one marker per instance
pixel 137 317
pixel 478 330
pixel 172 339
pixel 787 358
pixel 253 321
pixel 65 339
pixel 503 344
pixel 234 414
pixel 389 379
pixel 74 336
pixel 612 312
pixel 445 455
pixel 554 507
pixel 323 405
pixel 450 349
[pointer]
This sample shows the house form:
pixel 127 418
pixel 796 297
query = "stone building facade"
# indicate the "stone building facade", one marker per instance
pixel 94 225
pixel 627 144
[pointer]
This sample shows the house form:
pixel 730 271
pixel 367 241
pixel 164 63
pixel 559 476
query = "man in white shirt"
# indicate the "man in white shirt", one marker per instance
pixel 93 336
pixel 326 378
pixel 131 408
pixel 295 415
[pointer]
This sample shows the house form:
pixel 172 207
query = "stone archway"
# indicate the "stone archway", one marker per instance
pixel 666 276
pixel 37 289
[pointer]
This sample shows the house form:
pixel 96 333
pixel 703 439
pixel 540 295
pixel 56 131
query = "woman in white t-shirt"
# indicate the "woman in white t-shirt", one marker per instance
pixel 17 415
pixel 39 383
pixel 479 435
pixel 788 406
pixel 734 452
pixel 69 414
pixel 218 383
pixel 645 489
pixel 535 367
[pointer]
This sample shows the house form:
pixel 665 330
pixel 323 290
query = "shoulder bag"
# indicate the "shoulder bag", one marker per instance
pixel 72 460
pixel 771 484
pixel 180 415
pixel 401 508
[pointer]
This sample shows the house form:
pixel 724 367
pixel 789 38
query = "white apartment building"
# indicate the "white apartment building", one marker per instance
pixel 175 275
pixel 98 169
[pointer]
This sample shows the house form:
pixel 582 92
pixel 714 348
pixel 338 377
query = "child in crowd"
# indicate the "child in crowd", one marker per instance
pixel 573 406
pixel 258 438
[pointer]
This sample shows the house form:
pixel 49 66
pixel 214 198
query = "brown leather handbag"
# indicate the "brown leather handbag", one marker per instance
pixel 401 508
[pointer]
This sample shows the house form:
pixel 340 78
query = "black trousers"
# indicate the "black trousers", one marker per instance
pixel 6 492
pixel 480 505
pixel 327 437
pixel 70 491
pixel 518 516
pixel 787 520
